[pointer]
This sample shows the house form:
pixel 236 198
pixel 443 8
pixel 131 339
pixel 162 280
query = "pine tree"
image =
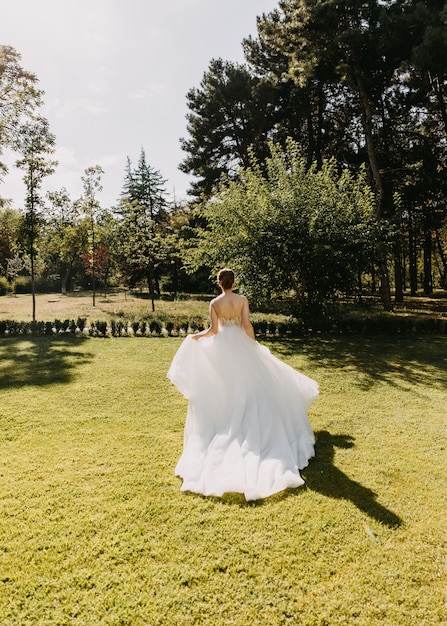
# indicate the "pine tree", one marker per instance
pixel 143 225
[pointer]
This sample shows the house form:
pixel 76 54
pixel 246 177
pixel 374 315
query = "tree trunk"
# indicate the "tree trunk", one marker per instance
pixel 412 257
pixel 398 275
pixel 370 147
pixel 372 158
pixel 385 289
pixel 428 278
pixel 443 270
pixel 150 284
pixel 33 284
pixel 65 277
pixel 437 88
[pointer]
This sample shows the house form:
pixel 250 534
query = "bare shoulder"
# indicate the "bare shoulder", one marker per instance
pixel 215 300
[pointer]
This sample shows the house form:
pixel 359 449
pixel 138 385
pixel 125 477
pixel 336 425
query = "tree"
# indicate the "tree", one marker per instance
pixel 65 237
pixel 295 230
pixel 359 45
pixel 228 116
pixel 89 204
pixel 9 228
pixel 100 263
pixel 35 143
pixel 425 185
pixel 143 234
pixel 19 97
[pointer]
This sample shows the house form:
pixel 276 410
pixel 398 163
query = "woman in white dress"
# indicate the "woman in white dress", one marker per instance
pixel 247 429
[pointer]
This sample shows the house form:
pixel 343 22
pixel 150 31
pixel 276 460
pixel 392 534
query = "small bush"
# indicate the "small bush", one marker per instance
pixel 5 286
pixel 155 327
pixel 22 284
pixel 80 323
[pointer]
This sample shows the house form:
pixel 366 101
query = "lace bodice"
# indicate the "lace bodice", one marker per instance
pixel 234 321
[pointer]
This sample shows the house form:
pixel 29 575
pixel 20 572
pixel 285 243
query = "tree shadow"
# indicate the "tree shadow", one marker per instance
pixel 324 477
pixel 391 359
pixel 39 361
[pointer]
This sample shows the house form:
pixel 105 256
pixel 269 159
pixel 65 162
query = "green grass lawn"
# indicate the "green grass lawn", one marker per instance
pixel 94 529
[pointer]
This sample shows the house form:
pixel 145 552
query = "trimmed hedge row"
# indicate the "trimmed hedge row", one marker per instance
pixel 387 324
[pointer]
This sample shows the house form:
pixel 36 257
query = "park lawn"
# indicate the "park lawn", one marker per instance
pixel 113 305
pixel 94 529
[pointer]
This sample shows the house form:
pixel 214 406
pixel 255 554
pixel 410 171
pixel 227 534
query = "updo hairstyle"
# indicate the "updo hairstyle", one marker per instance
pixel 226 278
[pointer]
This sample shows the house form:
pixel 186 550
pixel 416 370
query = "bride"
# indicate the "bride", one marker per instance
pixel 247 429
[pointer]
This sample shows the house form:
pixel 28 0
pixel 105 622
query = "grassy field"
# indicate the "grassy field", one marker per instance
pixel 124 305
pixel 113 305
pixel 94 529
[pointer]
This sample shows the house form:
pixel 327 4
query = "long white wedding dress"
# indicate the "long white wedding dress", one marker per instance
pixel 247 429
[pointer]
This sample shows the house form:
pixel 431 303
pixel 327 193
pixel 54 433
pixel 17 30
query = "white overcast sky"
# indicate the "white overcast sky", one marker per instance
pixel 115 75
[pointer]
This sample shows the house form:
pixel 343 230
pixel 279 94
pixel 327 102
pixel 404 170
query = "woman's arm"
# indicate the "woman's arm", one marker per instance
pixel 212 330
pixel 246 324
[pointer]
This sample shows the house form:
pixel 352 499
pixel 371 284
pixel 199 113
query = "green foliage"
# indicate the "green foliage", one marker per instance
pixel 230 113
pixel 22 284
pixel 5 285
pixel 143 239
pixel 65 237
pixel 292 228
pixel 10 220
pixel 19 98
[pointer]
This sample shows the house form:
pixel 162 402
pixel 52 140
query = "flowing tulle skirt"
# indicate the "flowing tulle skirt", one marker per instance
pixel 247 429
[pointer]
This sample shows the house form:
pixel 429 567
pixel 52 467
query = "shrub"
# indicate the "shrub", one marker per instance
pixel 98 328
pixel 5 286
pixel 155 327
pixel 102 328
pixel 37 328
pixel 22 284
pixel 80 323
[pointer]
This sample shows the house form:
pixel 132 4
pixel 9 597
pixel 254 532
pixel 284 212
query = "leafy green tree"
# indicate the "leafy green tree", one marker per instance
pixel 19 98
pixel 35 143
pixel 9 228
pixel 295 230
pixel 91 208
pixel 65 236
pixel 351 44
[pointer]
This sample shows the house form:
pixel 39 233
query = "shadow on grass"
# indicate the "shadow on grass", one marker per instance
pixel 390 359
pixel 324 477
pixel 39 361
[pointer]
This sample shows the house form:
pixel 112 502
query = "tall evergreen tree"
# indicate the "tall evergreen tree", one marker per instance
pixel 228 115
pixel 143 225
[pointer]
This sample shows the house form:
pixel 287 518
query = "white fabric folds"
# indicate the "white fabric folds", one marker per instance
pixel 246 429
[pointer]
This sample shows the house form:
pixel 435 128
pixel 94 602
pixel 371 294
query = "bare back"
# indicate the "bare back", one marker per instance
pixel 229 305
